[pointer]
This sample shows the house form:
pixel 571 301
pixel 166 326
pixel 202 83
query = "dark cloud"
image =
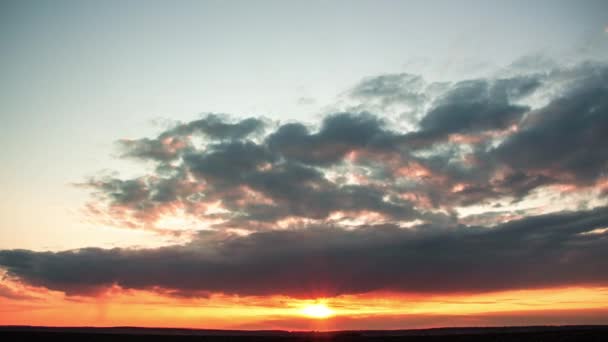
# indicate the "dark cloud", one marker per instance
pixel 301 193
pixel 474 107
pixel 471 107
pixel 160 149
pixel 339 134
pixel 566 140
pixel 557 249
pixel 172 143
pixel 227 162
pixel 216 127
pixel 477 142
pixel 325 205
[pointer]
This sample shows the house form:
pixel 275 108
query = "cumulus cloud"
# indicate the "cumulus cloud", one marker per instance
pixel 356 203
pixel 479 140
pixel 565 140
pixel 171 143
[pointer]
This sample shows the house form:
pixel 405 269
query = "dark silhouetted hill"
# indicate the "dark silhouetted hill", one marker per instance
pixel 535 333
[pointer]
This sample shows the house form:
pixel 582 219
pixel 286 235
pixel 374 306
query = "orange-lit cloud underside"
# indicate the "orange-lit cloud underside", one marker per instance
pixel 22 304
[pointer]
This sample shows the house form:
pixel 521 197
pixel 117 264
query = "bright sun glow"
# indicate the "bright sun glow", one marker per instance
pixel 317 311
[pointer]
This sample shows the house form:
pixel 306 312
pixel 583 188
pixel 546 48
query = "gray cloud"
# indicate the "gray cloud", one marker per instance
pixel 475 143
pixel 339 134
pixel 538 251
pixel 170 144
pixel 215 126
pixel 390 89
pixel 567 139
pixel 474 107
pixel 342 191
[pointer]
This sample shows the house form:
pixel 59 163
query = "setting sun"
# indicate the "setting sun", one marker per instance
pixel 226 170
pixel 317 311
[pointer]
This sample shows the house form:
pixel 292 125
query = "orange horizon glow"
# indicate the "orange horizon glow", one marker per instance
pixel 376 310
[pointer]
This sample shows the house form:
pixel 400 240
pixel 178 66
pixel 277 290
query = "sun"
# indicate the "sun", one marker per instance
pixel 317 311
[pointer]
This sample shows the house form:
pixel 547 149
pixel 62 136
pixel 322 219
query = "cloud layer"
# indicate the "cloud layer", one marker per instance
pixel 359 202
pixel 541 251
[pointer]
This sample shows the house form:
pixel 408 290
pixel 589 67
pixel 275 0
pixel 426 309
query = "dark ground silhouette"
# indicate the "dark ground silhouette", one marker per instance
pixel 548 333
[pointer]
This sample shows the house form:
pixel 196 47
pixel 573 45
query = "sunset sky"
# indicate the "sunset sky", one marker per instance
pixel 309 165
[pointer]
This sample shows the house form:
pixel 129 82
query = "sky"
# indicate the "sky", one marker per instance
pixel 303 165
